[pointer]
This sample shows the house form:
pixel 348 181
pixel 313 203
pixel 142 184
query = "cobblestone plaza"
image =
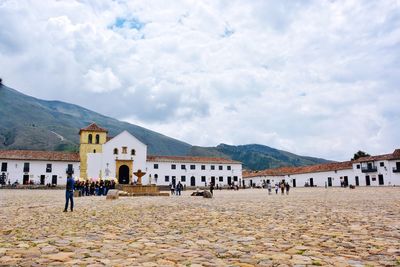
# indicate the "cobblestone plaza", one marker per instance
pixel 311 226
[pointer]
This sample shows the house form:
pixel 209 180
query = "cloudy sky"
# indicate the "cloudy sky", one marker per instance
pixel 318 78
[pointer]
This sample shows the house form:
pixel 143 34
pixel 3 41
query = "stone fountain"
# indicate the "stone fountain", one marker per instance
pixel 139 189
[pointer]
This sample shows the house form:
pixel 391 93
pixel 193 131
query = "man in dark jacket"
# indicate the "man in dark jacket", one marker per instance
pixel 69 193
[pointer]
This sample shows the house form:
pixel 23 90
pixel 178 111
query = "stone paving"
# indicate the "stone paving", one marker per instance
pixel 337 227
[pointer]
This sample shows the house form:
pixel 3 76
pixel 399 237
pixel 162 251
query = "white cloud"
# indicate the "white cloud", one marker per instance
pixel 101 80
pixel 317 78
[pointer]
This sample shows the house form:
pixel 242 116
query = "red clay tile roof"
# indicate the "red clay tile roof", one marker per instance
pixel 39 155
pixel 188 159
pixel 334 166
pixel 396 154
pixel 393 156
pixel 93 127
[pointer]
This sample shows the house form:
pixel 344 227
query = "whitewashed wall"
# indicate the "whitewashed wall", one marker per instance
pixel 106 161
pixel 164 169
pixel 259 180
pixel 393 178
pixel 319 178
pixel 95 166
pixel 389 177
pixel 36 169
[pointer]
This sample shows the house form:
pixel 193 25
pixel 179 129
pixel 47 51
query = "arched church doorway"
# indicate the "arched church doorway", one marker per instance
pixel 123 174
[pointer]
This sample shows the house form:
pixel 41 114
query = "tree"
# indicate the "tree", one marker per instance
pixel 360 154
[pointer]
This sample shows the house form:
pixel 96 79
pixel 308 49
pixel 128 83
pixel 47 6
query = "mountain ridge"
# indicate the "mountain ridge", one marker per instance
pixel 27 122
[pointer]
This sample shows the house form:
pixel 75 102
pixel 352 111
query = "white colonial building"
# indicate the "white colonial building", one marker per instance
pixel 38 167
pixel 381 170
pixel 194 171
pixel 117 158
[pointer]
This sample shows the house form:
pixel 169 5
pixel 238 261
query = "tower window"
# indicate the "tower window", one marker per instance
pixel 133 152
pixel 124 150
pixel 90 138
pixel 97 139
pixel 115 151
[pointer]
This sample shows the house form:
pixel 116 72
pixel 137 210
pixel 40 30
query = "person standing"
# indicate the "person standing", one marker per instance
pixel 172 188
pixel 287 188
pixel 212 189
pixel 101 187
pixel 107 187
pixel 69 193
pixel 282 185
pixel 276 188
pixel 179 188
pixel 87 188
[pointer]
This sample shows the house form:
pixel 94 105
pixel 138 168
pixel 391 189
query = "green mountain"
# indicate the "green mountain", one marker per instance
pixel 30 123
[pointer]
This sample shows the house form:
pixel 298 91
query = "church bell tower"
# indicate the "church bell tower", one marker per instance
pixel 91 140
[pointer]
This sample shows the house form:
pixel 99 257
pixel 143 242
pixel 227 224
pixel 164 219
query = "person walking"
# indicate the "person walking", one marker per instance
pixel 212 189
pixel 287 188
pixel 69 193
pixel 269 187
pixel 276 188
pixel 282 185
pixel 172 188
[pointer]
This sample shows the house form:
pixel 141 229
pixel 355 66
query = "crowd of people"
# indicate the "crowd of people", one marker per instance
pixel 98 188
pixel 282 186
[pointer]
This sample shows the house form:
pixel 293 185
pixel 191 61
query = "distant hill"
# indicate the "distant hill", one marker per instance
pixel 30 123
pixel 257 157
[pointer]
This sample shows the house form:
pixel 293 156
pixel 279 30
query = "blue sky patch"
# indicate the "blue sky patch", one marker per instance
pixel 132 23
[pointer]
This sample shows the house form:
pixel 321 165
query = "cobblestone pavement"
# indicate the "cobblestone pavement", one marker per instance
pixel 340 227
